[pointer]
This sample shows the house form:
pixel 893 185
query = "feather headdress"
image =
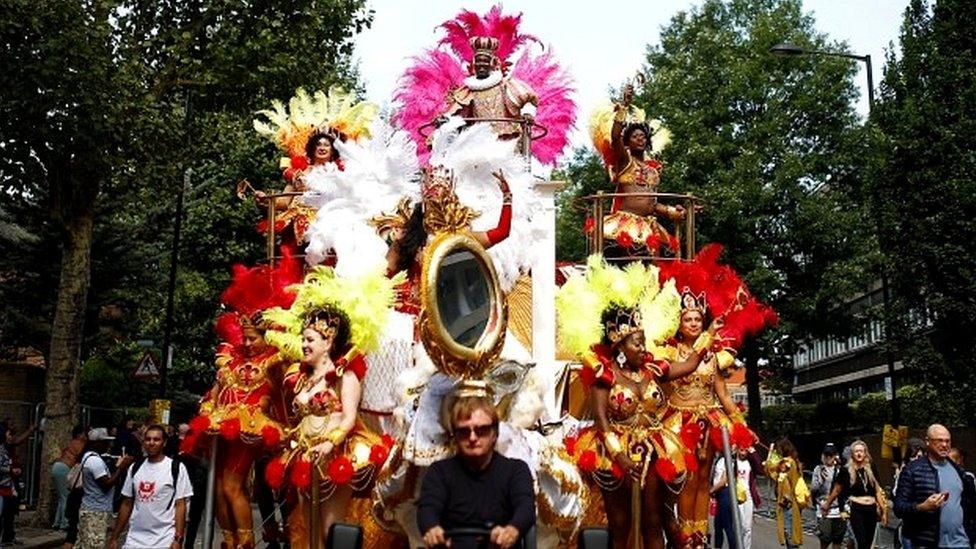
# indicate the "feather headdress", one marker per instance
pixel 254 290
pixel 724 292
pixel 601 126
pixel 338 111
pixel 582 300
pixel 364 300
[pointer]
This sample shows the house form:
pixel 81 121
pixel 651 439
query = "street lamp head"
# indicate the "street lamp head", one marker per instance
pixel 785 48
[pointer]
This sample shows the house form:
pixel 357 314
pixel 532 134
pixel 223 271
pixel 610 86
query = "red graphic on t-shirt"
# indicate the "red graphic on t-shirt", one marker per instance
pixel 146 491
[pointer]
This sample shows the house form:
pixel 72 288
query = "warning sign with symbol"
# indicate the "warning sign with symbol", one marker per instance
pixel 147 366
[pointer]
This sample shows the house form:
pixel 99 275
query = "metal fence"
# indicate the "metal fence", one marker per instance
pixel 20 415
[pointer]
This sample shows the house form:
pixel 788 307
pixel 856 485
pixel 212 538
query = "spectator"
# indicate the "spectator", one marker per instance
pixel 831 527
pixel 792 495
pixel 59 474
pixel 914 450
pixel 747 465
pixel 935 499
pixel 478 487
pixel 7 472
pixel 11 498
pixel 155 494
pixel 95 515
pixel 126 442
pixel 856 484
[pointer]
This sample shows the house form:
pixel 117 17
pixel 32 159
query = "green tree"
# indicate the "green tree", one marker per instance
pixel 114 100
pixel 771 145
pixel 923 187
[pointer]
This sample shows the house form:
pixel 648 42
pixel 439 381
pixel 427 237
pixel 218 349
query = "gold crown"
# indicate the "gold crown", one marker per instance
pixel 483 44
pixel 624 323
pixel 255 321
pixel 325 322
pixel 692 302
pixel 437 181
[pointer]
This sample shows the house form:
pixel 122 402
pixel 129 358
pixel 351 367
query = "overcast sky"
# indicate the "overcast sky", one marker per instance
pixel 601 43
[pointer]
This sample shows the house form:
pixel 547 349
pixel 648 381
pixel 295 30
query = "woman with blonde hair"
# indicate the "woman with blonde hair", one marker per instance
pixel 857 484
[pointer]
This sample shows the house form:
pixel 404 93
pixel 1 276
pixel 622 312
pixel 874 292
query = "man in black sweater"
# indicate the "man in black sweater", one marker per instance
pixel 478 487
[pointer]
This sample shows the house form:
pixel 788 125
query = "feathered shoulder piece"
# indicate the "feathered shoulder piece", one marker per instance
pixel 363 301
pixel 337 112
pixel 723 292
pixel 252 291
pixel 601 128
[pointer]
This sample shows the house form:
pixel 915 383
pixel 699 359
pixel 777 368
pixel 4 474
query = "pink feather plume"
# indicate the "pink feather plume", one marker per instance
pixel 422 94
pixel 557 111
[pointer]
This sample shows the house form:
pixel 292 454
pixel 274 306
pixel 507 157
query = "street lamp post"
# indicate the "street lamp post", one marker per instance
pixel 787 49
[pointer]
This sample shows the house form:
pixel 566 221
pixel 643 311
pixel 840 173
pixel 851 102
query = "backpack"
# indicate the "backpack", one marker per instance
pixel 76 474
pixel 174 471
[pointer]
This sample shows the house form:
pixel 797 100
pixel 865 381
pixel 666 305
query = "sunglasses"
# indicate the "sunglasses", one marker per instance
pixel 480 431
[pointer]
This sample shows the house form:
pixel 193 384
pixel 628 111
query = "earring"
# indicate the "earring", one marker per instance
pixel 621 359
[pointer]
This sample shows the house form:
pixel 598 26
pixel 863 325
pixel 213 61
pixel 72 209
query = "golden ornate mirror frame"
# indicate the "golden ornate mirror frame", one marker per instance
pixel 447 354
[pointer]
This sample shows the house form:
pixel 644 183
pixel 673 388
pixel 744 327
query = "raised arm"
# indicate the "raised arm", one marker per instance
pixel 501 231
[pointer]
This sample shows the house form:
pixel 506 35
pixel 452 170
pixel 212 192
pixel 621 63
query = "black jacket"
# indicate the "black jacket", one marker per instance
pixel 917 481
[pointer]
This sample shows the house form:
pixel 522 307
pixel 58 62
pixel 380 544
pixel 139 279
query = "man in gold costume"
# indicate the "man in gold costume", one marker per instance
pixel 489 93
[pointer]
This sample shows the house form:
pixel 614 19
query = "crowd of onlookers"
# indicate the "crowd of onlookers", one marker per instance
pixel 100 474
pixel 931 502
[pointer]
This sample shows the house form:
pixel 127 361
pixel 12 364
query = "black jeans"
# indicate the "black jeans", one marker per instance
pixel 864 519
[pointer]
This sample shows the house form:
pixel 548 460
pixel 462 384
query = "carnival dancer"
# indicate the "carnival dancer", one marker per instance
pixel 623 137
pixel 307 132
pixel 699 405
pixel 332 323
pixel 243 409
pixel 605 317
pixel 470 75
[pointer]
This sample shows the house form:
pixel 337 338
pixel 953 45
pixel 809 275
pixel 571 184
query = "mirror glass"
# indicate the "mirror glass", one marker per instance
pixel 463 297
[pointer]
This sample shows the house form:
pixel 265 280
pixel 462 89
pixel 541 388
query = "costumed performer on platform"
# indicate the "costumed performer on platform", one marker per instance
pixel 332 323
pixel 244 409
pixel 307 132
pixel 605 317
pixel 622 137
pixel 473 77
pixel 699 405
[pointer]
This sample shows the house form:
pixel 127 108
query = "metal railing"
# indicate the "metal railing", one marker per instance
pixel 596 207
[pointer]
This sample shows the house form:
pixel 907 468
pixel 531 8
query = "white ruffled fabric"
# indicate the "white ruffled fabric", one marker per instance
pixel 377 174
pixel 473 154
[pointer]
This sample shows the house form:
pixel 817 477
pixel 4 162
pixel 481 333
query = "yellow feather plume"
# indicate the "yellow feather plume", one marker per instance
pixel 601 127
pixel 661 314
pixel 366 300
pixel 582 299
pixel 290 128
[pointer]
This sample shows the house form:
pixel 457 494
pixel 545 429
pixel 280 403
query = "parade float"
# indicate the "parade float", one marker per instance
pixel 428 242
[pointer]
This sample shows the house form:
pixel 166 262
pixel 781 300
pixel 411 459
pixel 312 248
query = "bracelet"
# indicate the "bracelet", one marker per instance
pixel 703 343
pixel 612 444
pixel 336 436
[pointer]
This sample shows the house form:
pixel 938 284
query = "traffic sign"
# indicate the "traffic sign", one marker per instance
pixel 147 366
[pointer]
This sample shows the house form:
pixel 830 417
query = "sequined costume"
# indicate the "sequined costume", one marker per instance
pixel 635 418
pixel 496 96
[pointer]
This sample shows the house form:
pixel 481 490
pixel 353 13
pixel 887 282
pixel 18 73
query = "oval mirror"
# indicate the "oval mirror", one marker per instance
pixel 464 320
pixel 462 297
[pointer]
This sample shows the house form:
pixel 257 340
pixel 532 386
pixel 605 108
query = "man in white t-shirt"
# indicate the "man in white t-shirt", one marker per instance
pixel 156 493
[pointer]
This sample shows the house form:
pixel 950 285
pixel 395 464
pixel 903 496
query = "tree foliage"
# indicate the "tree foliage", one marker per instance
pixel 923 189
pixel 105 107
pixel 772 146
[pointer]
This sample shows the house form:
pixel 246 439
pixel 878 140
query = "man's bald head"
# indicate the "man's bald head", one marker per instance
pixel 938 441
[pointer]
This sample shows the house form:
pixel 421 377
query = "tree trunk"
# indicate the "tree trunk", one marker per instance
pixel 61 398
pixel 750 356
